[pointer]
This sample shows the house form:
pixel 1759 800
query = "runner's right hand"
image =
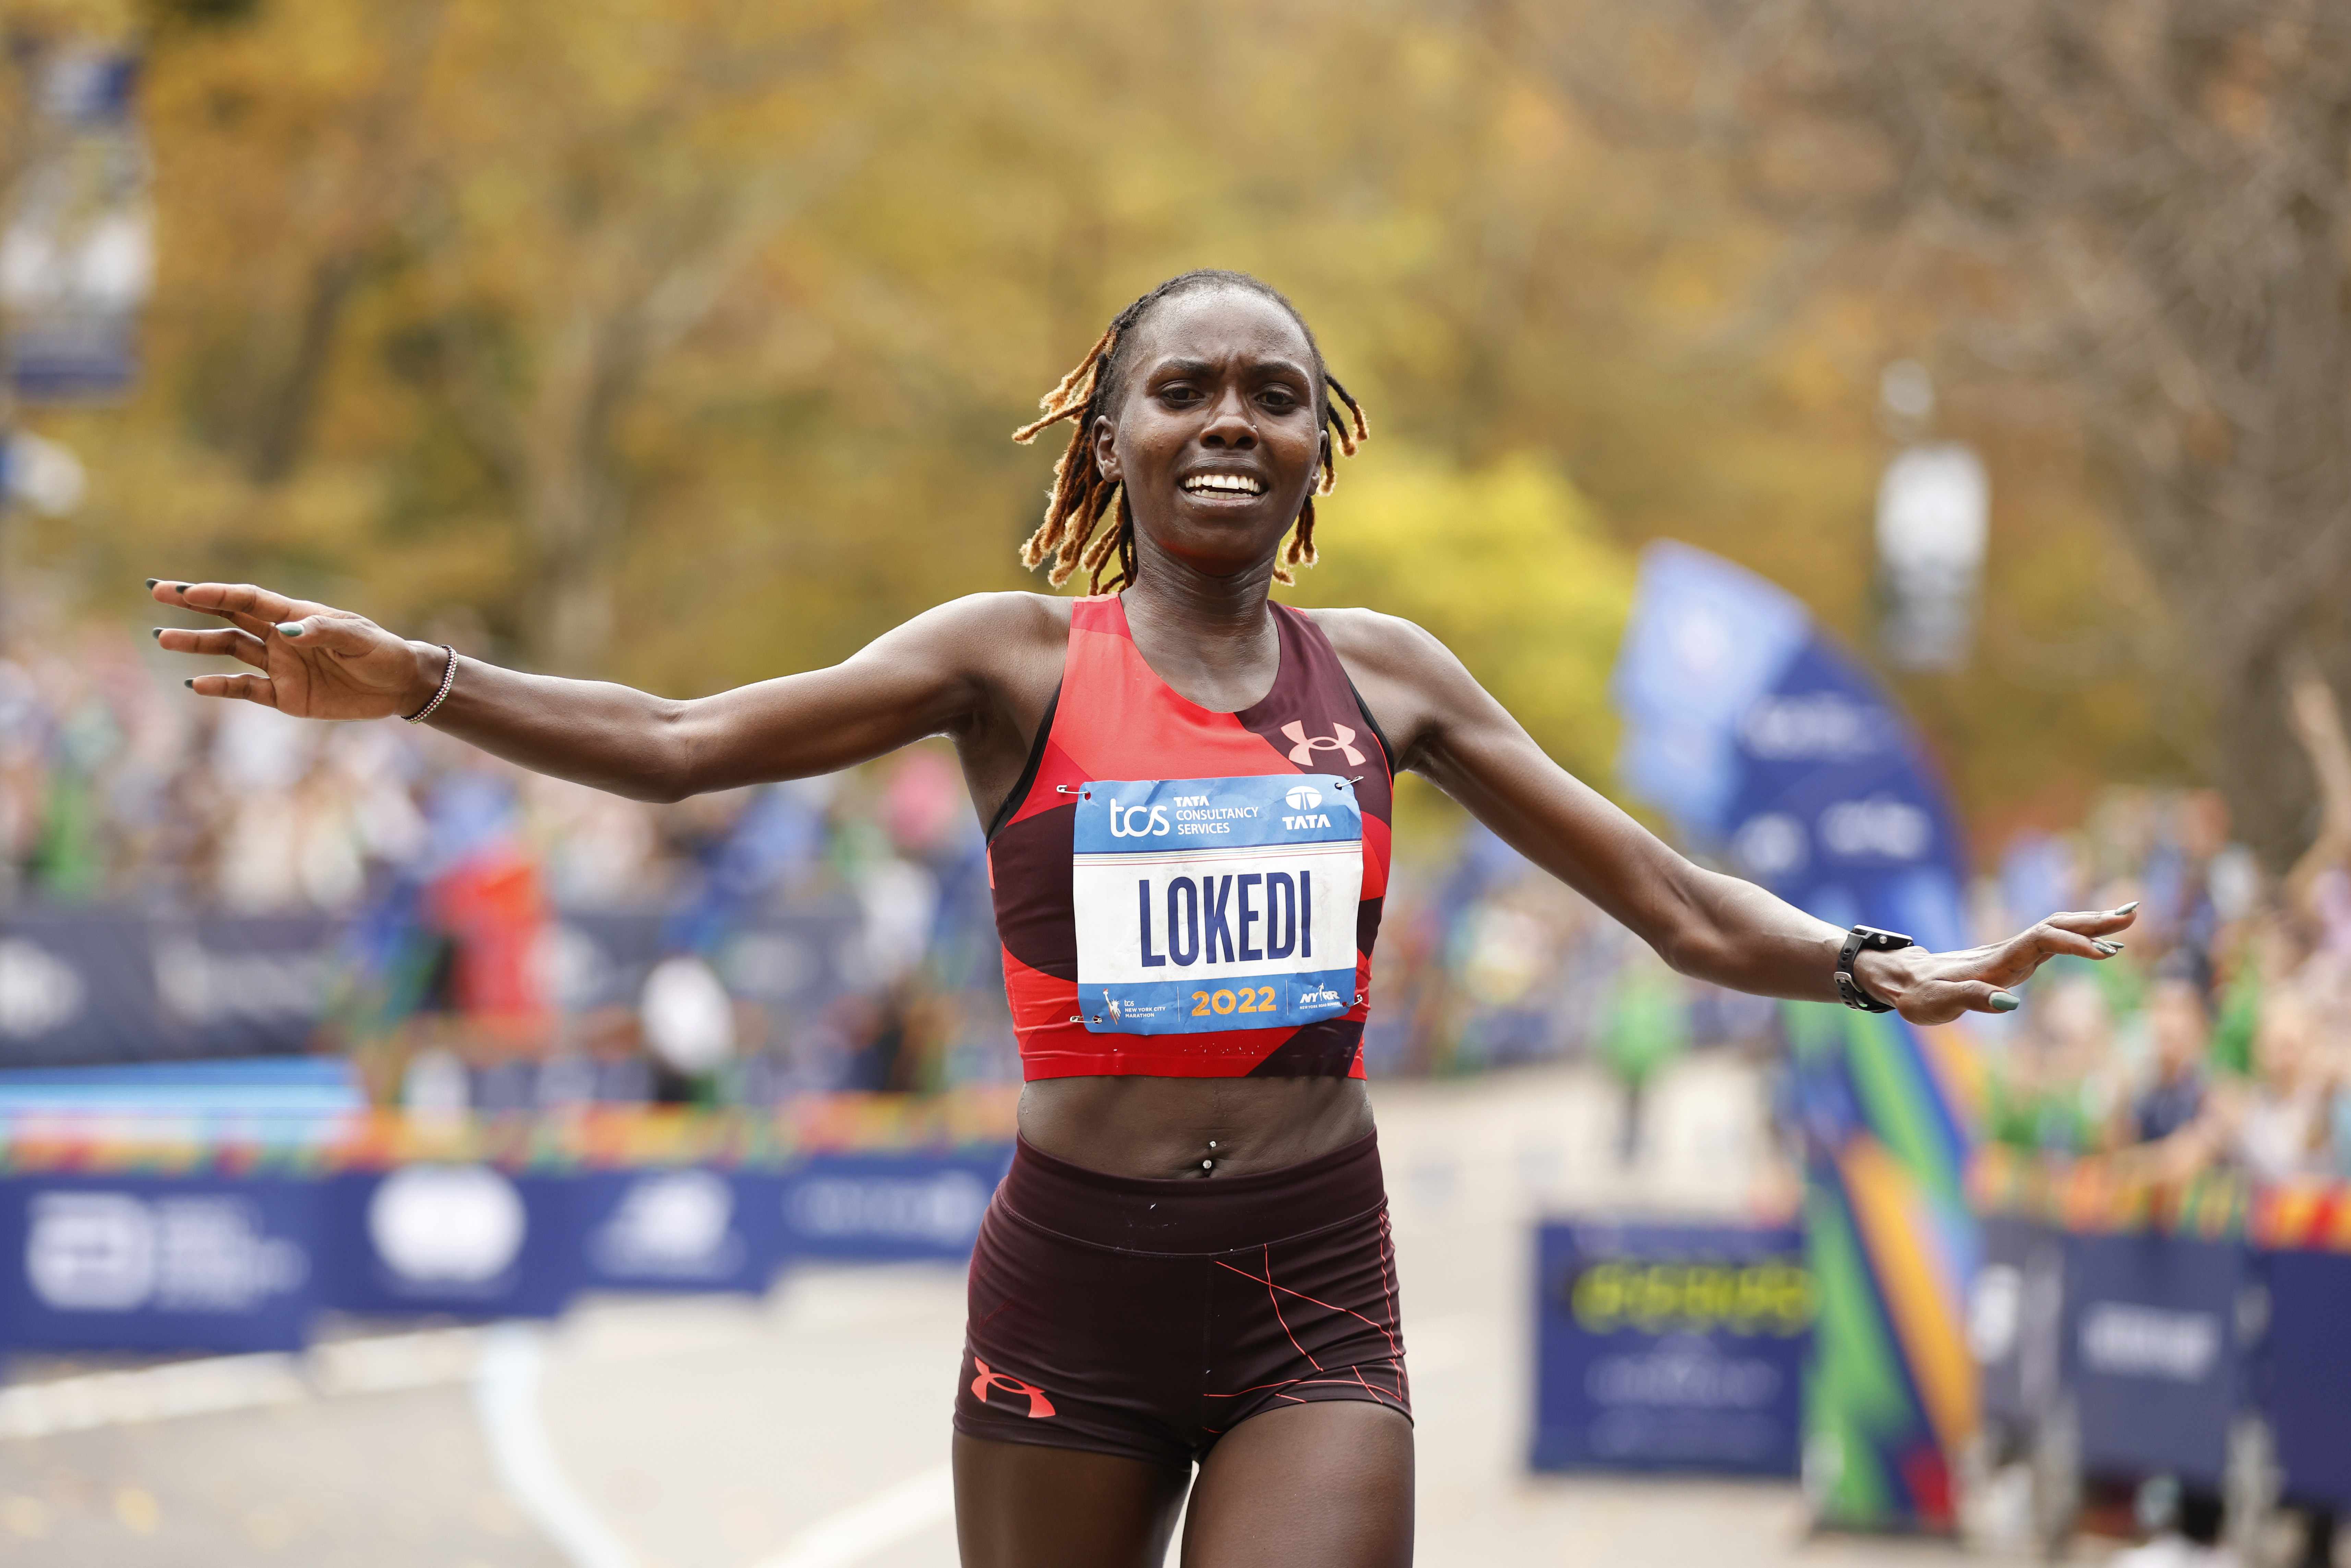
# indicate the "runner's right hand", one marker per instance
pixel 316 662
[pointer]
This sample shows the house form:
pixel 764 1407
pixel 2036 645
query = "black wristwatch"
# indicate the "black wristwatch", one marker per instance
pixel 1849 989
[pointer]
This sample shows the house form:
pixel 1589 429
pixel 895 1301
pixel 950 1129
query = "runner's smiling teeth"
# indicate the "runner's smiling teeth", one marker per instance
pixel 1224 484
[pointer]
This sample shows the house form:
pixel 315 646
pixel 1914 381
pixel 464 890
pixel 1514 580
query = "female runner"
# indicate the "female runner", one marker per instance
pixel 1186 788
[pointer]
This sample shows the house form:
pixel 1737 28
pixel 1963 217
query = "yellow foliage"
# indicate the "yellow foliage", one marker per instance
pixel 679 340
pixel 1507 566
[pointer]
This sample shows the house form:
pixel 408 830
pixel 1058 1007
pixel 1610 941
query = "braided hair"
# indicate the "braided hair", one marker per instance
pixel 1080 496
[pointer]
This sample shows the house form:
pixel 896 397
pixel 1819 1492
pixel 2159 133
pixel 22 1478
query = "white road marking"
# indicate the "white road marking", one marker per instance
pixel 882 1521
pixel 505 1398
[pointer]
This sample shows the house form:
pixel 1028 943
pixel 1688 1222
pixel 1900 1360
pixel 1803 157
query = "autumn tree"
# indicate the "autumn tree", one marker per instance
pixel 680 341
pixel 588 215
pixel 2137 205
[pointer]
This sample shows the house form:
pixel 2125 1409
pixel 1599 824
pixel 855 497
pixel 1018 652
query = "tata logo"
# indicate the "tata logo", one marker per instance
pixel 1342 741
pixel 1302 799
pixel 1123 820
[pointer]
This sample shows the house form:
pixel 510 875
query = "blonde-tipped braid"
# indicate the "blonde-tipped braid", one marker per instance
pixel 1081 496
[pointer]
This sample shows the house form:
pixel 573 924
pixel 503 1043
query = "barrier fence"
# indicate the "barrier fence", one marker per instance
pixel 120 1236
pixel 2127 1330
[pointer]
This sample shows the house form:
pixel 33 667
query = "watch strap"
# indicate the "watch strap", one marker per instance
pixel 1862 938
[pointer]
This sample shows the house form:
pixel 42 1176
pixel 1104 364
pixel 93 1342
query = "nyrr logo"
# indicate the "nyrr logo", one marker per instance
pixel 1303 752
pixel 1039 1406
pixel 1321 997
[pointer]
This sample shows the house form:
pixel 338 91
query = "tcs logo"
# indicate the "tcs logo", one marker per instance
pixel 1039 1406
pixel 1342 741
pixel 1122 820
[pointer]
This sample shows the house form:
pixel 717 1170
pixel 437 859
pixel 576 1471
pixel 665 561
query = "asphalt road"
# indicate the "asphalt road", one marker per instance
pixel 809 1429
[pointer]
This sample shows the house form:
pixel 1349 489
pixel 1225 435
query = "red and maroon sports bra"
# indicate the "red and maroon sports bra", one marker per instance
pixel 1182 894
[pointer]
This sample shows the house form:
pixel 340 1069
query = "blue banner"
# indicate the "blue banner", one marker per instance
pixel 883 1207
pixel 103 986
pixel 1669 1347
pixel 469 1240
pixel 688 1227
pixel 2154 1354
pixel 2309 1374
pixel 1776 753
pixel 157 1263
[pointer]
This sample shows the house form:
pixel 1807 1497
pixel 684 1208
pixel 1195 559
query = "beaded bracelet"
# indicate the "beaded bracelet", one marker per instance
pixel 448 679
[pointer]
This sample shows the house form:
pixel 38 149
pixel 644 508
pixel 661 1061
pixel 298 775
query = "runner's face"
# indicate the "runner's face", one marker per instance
pixel 1216 440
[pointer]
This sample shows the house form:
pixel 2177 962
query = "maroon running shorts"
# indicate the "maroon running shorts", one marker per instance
pixel 1146 1319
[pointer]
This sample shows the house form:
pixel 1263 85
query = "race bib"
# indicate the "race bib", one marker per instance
pixel 1217 903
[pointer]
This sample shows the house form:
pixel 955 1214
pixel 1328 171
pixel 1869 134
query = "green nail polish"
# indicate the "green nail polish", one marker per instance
pixel 2003 1002
pixel 2108 949
pixel 289 628
pixel 154 580
pixel 2127 908
pixel 156 632
pixel 190 684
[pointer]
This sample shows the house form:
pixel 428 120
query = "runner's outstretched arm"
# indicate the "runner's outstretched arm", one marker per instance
pixel 937 673
pixel 1449 730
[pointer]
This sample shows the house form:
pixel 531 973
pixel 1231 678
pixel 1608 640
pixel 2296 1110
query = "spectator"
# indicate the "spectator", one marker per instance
pixel 2278 1128
pixel 2180 1020
pixel 2049 1092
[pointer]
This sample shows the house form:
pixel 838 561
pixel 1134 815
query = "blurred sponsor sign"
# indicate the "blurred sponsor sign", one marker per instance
pixel 686 1228
pixel 913 1204
pixel 2156 1350
pixel 467 1239
pixel 108 986
pixel 1670 1347
pixel 210 1262
pixel 88 986
pixel 77 249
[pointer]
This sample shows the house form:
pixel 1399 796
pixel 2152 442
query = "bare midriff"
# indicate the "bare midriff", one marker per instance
pixel 1170 1127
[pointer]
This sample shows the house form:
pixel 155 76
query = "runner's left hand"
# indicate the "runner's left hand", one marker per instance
pixel 1936 987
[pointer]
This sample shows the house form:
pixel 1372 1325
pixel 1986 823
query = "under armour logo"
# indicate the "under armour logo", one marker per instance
pixel 1039 1406
pixel 1303 752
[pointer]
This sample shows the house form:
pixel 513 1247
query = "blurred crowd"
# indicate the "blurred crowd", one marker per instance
pixel 2220 1036
pixel 466 896
pixel 467 893
pixel 831 933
